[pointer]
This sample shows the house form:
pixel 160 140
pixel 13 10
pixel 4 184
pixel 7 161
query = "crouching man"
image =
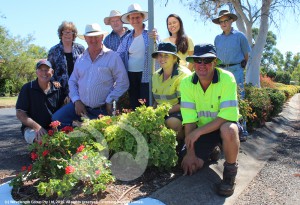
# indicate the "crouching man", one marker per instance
pixel 209 109
pixel 37 101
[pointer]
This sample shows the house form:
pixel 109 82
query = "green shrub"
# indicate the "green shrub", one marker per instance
pixel 283 77
pixel 277 98
pixel 260 103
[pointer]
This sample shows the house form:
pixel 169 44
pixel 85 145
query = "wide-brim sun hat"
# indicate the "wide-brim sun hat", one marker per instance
pixel 132 9
pixel 203 51
pixel 225 13
pixel 93 29
pixel 113 13
pixel 168 48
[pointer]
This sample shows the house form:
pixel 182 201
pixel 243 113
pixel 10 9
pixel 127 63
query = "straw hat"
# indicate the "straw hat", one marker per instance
pixel 113 13
pixel 225 13
pixel 92 30
pixel 132 9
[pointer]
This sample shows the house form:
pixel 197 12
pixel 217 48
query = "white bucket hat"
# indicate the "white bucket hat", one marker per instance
pixel 132 9
pixel 93 29
pixel 113 13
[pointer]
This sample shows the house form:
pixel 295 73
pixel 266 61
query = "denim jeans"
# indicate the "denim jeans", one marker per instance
pixel 66 115
pixel 238 73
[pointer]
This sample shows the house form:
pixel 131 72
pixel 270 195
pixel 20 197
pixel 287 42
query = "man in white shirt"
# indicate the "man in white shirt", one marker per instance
pixel 98 79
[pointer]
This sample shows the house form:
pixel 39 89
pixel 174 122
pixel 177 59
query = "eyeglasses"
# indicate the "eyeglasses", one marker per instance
pixel 68 33
pixel 203 60
pixel 225 21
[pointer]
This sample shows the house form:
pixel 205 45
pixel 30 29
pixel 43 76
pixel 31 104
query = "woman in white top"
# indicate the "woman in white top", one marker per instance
pixel 133 51
pixel 185 45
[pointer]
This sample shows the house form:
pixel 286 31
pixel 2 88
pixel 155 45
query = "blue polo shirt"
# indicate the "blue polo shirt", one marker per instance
pixel 38 105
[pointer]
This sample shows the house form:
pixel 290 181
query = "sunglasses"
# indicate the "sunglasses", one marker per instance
pixel 203 60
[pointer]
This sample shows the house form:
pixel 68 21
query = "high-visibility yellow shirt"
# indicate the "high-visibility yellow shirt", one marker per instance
pixel 219 100
pixel 168 91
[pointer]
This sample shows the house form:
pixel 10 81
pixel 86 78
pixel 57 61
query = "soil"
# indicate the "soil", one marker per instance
pixel 118 192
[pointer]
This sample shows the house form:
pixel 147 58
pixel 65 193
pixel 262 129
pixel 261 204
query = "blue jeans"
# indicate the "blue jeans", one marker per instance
pixel 238 73
pixel 66 114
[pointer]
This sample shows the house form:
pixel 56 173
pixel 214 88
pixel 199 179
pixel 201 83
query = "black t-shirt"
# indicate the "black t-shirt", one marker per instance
pixel 70 63
pixel 38 105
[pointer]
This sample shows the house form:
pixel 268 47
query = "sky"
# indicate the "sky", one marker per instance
pixel 41 18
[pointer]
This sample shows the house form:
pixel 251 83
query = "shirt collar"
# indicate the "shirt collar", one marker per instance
pixel 231 31
pixel 174 72
pixel 215 79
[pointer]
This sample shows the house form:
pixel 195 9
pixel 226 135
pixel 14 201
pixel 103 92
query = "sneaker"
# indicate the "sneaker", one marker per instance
pixel 215 155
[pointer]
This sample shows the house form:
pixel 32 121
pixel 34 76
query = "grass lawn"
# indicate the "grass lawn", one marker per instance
pixel 8 101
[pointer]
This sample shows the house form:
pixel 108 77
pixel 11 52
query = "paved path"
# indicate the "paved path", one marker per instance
pixel 14 150
pixel 253 156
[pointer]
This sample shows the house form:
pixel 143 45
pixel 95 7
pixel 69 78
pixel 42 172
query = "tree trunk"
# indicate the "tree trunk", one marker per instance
pixel 253 66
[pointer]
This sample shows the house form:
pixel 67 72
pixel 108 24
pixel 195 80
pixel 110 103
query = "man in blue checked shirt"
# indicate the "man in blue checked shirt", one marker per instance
pixel 113 40
pixel 232 48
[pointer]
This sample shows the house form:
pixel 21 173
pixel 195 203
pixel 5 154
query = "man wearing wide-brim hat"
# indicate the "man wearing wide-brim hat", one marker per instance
pixel 98 79
pixel 118 33
pixel 232 48
pixel 209 109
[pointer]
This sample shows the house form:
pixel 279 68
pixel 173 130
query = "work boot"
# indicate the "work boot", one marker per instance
pixel 215 155
pixel 227 185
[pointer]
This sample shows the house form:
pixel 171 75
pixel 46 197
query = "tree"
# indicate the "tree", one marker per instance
pixel 249 13
pixel 18 57
pixel 267 62
pixel 288 64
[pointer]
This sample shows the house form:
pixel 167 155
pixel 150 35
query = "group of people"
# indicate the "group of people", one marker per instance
pixel 200 82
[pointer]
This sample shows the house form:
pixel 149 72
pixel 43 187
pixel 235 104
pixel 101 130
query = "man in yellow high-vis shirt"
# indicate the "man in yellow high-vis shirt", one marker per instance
pixel 209 108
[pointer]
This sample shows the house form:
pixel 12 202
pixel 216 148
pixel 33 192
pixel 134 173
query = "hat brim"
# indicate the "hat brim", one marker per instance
pixel 190 59
pixel 124 18
pixel 154 55
pixel 81 36
pixel 232 16
pixel 107 19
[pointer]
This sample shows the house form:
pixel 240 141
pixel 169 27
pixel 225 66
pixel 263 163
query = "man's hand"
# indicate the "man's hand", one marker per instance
pixel 191 164
pixel 39 133
pixel 191 138
pixel 80 108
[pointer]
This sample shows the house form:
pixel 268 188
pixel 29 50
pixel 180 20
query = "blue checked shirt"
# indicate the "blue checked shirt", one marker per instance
pixel 232 48
pixel 113 40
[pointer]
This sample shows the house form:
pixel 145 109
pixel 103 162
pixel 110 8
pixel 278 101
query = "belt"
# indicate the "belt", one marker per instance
pixel 95 108
pixel 228 65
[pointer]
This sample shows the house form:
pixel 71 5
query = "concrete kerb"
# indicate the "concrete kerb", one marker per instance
pixel 199 188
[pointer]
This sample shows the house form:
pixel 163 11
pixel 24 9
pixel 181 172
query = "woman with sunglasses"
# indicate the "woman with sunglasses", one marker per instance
pixel 184 44
pixel 165 84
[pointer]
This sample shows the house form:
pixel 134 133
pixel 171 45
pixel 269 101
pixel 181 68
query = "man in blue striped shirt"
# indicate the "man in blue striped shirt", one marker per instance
pixel 113 40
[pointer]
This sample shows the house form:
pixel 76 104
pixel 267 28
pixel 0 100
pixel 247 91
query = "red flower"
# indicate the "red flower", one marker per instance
pixel 45 153
pixel 40 143
pixel 80 148
pixel 29 168
pixel 24 168
pixel 55 124
pixel 97 172
pixel 67 129
pixel 50 132
pixel 69 169
pixel 34 156
pixel 85 157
